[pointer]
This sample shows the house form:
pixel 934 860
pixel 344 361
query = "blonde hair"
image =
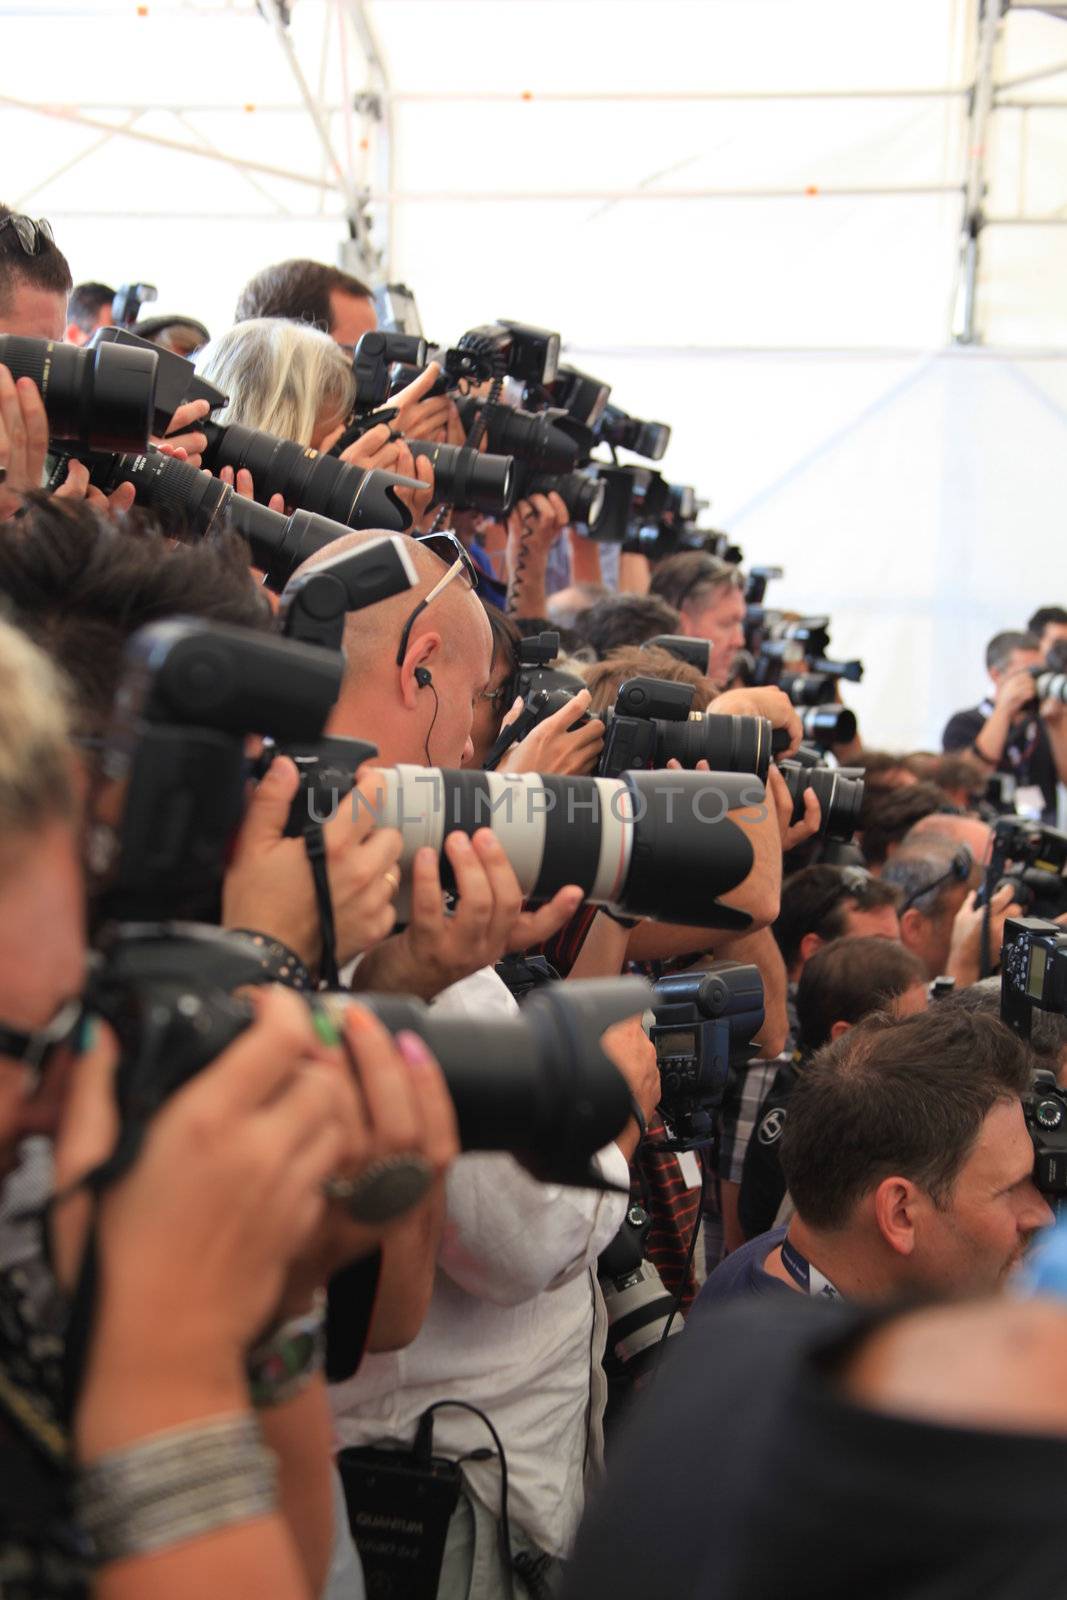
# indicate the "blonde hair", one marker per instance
pixel 35 756
pixel 281 377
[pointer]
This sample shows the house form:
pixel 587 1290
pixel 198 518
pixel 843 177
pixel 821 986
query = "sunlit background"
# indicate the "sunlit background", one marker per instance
pixel 747 215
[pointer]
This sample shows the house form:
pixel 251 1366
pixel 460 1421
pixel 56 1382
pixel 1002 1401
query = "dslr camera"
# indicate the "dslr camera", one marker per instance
pixel 1033 976
pixel 703 1030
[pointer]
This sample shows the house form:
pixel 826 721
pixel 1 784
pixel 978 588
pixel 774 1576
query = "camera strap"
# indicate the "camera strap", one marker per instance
pixel 315 845
pixel 805 1276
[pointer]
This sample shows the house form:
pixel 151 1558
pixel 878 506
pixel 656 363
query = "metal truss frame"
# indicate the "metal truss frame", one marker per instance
pixel 363 117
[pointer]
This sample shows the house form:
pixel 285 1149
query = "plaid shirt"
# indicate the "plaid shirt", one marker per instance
pixel 745 1095
pixel 658 1183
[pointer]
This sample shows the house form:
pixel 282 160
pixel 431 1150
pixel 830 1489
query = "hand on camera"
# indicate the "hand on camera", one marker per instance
pixel 773 704
pixel 182 435
pixel 965 948
pixel 534 526
pixel 195 1242
pixel 555 745
pixel 269 887
pixel 793 833
pixel 406 1110
pixel 241 483
pixel 23 441
pixel 434 418
pixel 1014 692
pixel 383 449
pixel 629 1047
pixel 439 948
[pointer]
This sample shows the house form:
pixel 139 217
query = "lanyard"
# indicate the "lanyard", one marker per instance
pixel 809 1278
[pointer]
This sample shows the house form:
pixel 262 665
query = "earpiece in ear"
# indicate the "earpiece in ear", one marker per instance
pixel 423 677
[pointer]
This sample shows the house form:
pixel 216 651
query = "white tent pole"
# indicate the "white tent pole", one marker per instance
pixel 964 329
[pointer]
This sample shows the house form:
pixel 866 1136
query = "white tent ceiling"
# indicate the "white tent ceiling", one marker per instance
pixel 745 213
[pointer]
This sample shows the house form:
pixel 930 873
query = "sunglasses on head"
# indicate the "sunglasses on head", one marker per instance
pixel 32 236
pixel 448 549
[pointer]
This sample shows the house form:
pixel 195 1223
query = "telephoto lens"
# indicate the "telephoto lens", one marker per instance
pixel 828 725
pixel 308 480
pixel 808 688
pixel 468 480
pixel 536 438
pixel 650 844
pixel 839 798
pixel 96 400
pixel 537 1084
pixel 582 494
pixel 1051 685
pixel 186 499
pixel 651 723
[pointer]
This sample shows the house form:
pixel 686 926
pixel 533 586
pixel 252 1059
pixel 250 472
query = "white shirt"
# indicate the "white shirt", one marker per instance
pixel 513 1328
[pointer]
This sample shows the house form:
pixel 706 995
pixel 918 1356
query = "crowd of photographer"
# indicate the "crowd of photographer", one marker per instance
pixel 459 954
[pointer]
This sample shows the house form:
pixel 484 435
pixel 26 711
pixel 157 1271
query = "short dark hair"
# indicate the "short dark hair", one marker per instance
pixel 1002 645
pixel 506 636
pixel 625 619
pixel 299 290
pixel 847 979
pixel 86 302
pixel 817 900
pixel 1047 1044
pixel 889 1097
pixel 679 577
pixel 888 815
pixel 1043 617
pixel 46 270
pixel 79 586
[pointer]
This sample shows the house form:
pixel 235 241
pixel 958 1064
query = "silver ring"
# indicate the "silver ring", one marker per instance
pixel 386 1189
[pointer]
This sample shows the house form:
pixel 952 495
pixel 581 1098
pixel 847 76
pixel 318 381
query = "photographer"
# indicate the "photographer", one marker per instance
pixel 80 587
pixel 513 1326
pixel 1011 733
pixel 217 1234
pixel 710 594
pixel 312 293
pixel 909 1164
pixel 624 620
pixel 1049 626
pixel 845 981
pixel 287 379
pixel 88 308
pixel 939 920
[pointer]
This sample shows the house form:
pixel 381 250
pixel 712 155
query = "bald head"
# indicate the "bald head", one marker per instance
pixel 421 710
pixel 968 830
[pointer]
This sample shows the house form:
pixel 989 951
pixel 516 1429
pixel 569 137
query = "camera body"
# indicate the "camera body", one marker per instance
pixel 703 1030
pixel 1033 976
pixel 1033 859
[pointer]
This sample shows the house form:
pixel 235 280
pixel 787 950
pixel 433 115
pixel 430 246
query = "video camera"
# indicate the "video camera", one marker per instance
pixel 704 1026
pixel 1033 976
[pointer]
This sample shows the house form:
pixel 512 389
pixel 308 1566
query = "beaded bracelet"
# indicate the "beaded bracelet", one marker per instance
pixel 175 1486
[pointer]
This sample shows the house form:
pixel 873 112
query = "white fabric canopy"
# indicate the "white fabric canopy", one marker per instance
pixel 743 213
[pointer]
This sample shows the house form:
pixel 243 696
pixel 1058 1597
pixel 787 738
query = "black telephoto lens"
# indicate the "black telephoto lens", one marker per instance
pixel 808 688
pixel 97 400
pixel 839 798
pixel 584 496
pixel 181 495
pixel 466 479
pixel 534 437
pixel 727 744
pixel 826 725
pixel 306 479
